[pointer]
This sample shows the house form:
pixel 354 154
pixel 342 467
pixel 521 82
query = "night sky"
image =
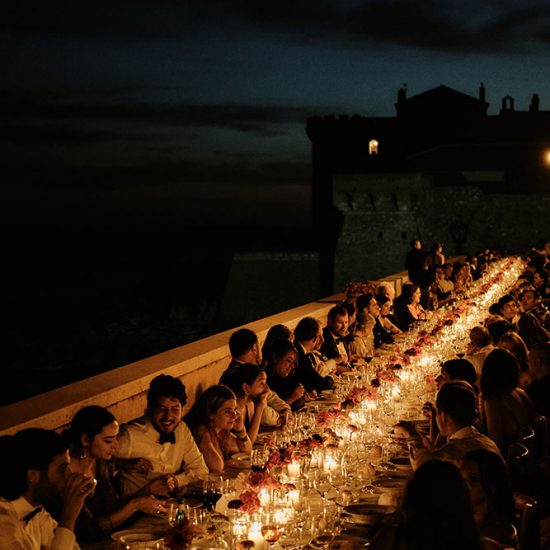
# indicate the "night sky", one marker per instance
pixel 139 138
pixel 174 112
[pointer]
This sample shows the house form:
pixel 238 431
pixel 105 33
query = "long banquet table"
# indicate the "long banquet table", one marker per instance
pixel 338 470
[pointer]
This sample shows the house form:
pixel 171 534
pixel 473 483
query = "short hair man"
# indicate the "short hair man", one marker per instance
pixel 333 345
pixel 479 347
pixel 455 411
pixel 35 471
pixel 169 455
pixel 245 348
pixel 539 368
pixel 308 338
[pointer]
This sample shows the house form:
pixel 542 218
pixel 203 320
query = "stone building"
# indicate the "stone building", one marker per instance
pixel 441 170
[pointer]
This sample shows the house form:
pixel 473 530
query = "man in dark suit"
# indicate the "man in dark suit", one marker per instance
pixel 308 338
pixel 414 262
pixel 334 333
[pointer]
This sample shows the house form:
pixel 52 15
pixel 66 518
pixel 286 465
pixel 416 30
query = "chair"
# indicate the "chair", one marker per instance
pixel 527 522
pixel 520 467
pixel 540 427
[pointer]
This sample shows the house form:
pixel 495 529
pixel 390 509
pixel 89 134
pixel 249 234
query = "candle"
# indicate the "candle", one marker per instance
pixel 265 497
pixel 330 464
pixel 293 470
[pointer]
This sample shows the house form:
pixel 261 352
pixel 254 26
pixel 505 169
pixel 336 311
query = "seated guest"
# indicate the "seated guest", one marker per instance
pixel 245 348
pixel 541 283
pixel 460 276
pixel 308 337
pixel 506 407
pixel 385 288
pixel 497 326
pixel 367 304
pixel 492 499
pixel 479 347
pixel 513 342
pixel 276 332
pixel 455 413
pixel 249 384
pixel 539 389
pixel 92 437
pixel 530 302
pixel 444 287
pixel 509 309
pixel 361 343
pixel 387 318
pixel 531 329
pixel 457 369
pixel 281 364
pixel 410 311
pixel 35 470
pixel 161 445
pixel 437 513
pixel 334 335
pixel 218 427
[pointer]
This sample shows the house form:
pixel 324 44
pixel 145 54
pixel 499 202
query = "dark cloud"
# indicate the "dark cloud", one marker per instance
pixel 263 120
pixel 449 25
pixel 29 135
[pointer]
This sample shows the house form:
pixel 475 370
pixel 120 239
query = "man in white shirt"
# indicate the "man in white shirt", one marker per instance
pixel 37 471
pixel 455 411
pixel 164 451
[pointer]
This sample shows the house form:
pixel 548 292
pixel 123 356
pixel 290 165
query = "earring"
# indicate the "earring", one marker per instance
pixel 83 454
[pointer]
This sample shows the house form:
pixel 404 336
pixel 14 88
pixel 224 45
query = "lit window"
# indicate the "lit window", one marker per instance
pixel 373 147
pixel 547 157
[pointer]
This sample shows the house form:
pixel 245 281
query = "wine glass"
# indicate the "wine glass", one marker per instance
pixel 271 531
pixel 212 491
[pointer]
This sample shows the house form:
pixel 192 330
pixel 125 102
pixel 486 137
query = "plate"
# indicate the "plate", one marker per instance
pixel 238 464
pixel 347 542
pixel 137 535
pixel 389 484
pixel 367 514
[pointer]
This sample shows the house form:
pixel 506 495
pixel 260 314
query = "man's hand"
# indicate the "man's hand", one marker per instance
pixel 140 465
pixel 163 486
pixel 77 488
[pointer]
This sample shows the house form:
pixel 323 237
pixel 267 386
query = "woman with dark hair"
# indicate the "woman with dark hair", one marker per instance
pixel 506 407
pixel 280 366
pixel 410 311
pixel 437 513
pixel 92 437
pixel 514 343
pixel 487 479
pixel 218 427
pixel 276 332
pixel 386 318
pixel 249 383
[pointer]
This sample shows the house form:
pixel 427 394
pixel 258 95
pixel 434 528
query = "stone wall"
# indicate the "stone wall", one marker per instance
pixel 383 212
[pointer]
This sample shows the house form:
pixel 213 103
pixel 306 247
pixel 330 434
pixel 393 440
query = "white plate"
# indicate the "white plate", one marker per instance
pixel 367 514
pixel 137 535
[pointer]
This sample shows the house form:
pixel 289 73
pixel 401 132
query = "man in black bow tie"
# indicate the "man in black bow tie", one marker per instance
pixel 161 445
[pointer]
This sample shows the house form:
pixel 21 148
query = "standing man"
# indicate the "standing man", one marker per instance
pixel 164 451
pixel 36 471
pixel 414 262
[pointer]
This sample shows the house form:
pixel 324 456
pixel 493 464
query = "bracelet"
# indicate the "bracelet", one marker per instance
pixel 240 432
pixel 245 438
